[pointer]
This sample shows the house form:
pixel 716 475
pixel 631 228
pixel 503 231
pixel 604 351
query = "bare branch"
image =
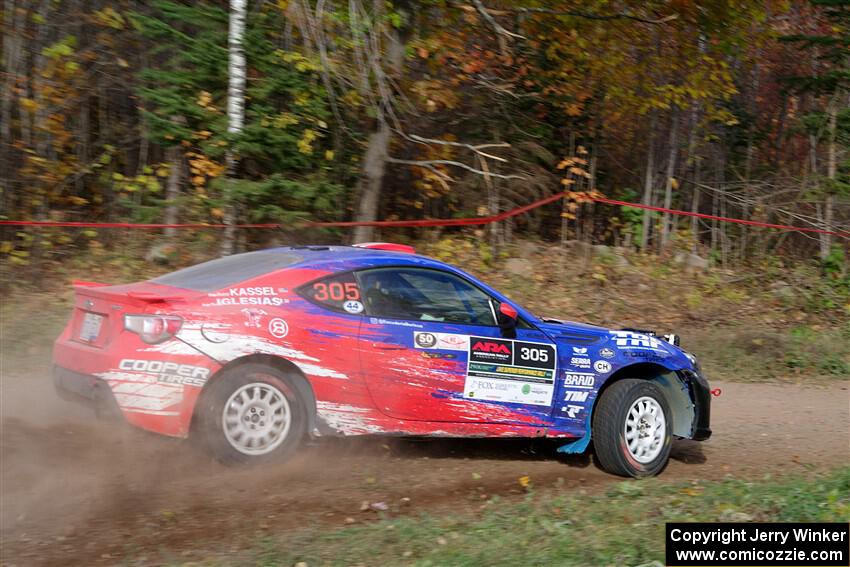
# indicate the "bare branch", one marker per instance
pixel 502 32
pixel 488 14
pixel 425 163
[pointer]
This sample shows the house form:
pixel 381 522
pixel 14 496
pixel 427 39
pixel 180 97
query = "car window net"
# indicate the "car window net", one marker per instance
pixel 225 272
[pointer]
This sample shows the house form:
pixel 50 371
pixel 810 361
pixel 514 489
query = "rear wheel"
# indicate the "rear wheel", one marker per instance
pixel 253 413
pixel 631 429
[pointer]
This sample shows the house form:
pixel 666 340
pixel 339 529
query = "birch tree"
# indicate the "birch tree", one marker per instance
pixel 235 112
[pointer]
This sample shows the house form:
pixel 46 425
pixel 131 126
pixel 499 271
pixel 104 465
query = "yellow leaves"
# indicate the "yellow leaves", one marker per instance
pixel 574 109
pixel 202 168
pixel 305 144
pixel 205 102
pixel 524 481
pixel 579 171
pixel 29 104
pixel 569 162
pixel 6 247
pixel 75 200
pixel 674 183
pixel 110 17
pixel 329 155
pixel 217 213
pixel 299 61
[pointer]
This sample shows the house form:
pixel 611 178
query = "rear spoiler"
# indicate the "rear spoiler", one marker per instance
pixel 389 246
pixel 121 292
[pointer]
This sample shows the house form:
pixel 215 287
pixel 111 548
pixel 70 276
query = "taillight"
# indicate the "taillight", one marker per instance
pixel 153 328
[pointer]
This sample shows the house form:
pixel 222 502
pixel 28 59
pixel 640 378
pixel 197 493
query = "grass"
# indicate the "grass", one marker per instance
pixel 623 526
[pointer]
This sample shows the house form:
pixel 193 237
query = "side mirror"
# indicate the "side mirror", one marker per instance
pixel 508 320
pixel 508 311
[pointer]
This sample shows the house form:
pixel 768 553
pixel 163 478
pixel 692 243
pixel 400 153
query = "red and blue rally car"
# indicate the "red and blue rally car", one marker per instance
pixel 253 352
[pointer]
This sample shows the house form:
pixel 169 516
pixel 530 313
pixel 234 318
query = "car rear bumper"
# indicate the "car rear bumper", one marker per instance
pixel 85 389
pixel 701 397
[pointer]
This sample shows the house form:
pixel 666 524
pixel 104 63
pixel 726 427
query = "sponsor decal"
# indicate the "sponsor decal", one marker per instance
pixel 379 321
pixel 442 341
pixel 253 317
pixel 448 341
pixel 491 350
pixel 278 328
pixel 424 340
pixel 443 355
pixel 579 379
pixel 352 306
pixel 602 366
pixel 606 352
pixel 168 372
pixel 247 296
pixel 571 410
pixel 510 371
pixel 580 362
pixel 580 350
pixel 645 354
pixel 574 396
pixel 630 339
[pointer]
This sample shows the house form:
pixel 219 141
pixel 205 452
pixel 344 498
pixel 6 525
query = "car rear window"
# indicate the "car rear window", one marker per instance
pixel 224 272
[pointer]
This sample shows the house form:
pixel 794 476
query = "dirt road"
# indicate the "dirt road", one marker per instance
pixel 78 491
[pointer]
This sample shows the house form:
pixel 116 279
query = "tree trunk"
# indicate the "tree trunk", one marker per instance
pixel 377 151
pixel 172 188
pixel 235 113
pixel 671 172
pixel 831 170
pixel 647 183
pixel 374 166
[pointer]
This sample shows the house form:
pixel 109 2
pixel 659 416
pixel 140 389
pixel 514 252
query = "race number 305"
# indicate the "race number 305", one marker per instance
pixel 535 355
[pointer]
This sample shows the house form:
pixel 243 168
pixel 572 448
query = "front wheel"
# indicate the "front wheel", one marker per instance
pixel 252 414
pixel 632 429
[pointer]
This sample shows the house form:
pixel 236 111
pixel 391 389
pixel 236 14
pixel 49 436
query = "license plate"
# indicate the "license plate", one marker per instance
pixel 91 326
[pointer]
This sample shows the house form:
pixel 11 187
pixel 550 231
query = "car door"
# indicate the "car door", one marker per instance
pixel 432 350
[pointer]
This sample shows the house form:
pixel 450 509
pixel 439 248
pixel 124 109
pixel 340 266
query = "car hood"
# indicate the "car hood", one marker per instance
pixel 620 347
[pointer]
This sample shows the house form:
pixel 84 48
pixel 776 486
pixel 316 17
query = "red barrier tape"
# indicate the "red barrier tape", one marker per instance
pixel 722 219
pixel 433 222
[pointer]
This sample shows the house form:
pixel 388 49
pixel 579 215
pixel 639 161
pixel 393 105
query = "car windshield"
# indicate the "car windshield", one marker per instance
pixel 225 272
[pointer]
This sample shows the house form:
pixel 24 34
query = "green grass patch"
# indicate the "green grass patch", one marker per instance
pixel 803 352
pixel 623 526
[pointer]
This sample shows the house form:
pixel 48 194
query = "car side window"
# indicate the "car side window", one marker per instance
pixel 424 295
pixel 338 293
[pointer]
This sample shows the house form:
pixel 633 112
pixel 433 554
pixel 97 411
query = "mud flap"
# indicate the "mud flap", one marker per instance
pixel 579 445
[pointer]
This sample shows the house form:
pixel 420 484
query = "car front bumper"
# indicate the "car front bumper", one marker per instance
pixel 701 398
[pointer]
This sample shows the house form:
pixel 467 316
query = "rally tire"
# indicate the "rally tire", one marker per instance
pixel 632 429
pixel 252 414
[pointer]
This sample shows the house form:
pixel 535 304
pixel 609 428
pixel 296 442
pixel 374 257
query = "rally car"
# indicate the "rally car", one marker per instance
pixel 252 353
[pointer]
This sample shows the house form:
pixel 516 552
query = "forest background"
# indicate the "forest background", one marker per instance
pixel 289 111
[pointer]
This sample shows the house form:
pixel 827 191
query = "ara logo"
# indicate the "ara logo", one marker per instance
pixel 580 350
pixel 482 346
